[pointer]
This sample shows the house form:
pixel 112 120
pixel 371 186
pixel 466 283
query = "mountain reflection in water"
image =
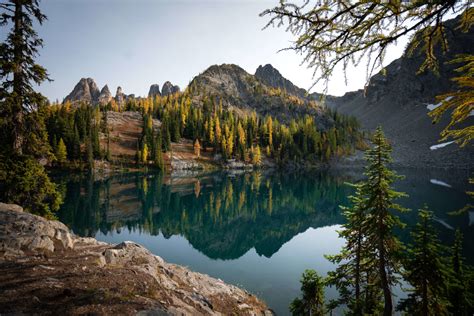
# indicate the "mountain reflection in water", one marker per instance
pixel 258 230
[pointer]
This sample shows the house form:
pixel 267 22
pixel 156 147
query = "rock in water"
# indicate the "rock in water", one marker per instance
pixel 169 88
pixel 154 90
pixel 85 90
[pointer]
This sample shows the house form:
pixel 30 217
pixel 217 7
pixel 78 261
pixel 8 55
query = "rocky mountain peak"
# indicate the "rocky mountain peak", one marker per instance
pixel 105 95
pixel 120 97
pixel 270 76
pixel 154 90
pixel 85 90
pixel 168 88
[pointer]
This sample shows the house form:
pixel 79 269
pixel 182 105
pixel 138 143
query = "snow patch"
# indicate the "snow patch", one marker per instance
pixel 431 107
pixel 438 146
pixel 442 222
pixel 471 218
pixel 439 182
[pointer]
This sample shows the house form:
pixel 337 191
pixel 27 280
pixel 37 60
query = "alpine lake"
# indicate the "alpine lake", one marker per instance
pixel 258 230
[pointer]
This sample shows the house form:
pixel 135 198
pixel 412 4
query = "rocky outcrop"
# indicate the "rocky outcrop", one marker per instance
pixel 85 90
pixel 154 91
pixel 45 268
pixel 273 78
pixel 105 95
pixel 120 97
pixel 168 88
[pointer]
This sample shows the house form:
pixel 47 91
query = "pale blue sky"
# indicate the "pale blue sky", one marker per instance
pixel 137 43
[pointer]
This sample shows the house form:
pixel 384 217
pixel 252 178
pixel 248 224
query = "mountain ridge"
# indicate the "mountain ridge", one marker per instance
pixel 398 99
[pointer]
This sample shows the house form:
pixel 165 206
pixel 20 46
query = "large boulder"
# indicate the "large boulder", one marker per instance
pixel 23 233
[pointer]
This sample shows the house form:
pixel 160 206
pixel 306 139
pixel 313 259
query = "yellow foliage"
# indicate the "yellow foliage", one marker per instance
pixel 460 102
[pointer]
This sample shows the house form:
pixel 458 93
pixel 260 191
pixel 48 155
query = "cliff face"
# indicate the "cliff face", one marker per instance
pixel 398 100
pixel 168 88
pixel 154 91
pixel 45 268
pixel 85 90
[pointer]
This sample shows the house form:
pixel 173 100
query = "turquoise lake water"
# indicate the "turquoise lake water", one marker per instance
pixel 257 230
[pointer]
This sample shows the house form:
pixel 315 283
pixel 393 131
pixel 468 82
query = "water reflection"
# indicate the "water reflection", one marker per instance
pixel 221 215
pixel 257 230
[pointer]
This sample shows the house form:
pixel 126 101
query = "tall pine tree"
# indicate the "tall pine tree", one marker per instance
pixel 384 247
pixel 353 264
pixel 425 270
pixel 23 137
pixel 312 301
pixel 461 281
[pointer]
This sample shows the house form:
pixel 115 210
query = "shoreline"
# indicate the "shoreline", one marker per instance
pixel 44 268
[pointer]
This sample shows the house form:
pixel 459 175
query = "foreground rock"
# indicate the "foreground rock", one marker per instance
pixel 45 268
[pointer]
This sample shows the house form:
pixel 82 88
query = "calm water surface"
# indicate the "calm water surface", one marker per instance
pixel 256 230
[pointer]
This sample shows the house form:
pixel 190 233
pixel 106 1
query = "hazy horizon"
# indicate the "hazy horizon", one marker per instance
pixel 137 44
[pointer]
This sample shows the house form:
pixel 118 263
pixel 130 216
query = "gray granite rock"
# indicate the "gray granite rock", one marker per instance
pixel 154 90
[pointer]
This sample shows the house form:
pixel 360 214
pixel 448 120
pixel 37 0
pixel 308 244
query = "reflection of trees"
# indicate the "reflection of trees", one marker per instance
pixel 226 216
pixel 221 216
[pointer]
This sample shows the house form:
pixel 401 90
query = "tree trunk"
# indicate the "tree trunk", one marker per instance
pixel 388 306
pixel 357 275
pixel 17 106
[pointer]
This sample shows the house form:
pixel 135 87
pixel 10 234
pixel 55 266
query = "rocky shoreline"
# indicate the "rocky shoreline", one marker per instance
pixel 45 269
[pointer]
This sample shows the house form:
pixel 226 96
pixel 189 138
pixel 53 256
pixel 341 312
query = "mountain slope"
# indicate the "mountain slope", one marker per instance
pixel 273 78
pixel 244 92
pixel 398 100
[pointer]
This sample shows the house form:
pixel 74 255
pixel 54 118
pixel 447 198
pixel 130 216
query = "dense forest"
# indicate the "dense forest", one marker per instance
pixel 75 132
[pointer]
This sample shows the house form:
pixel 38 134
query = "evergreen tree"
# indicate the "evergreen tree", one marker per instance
pixel 89 156
pixel 312 301
pixel 159 163
pixel 166 138
pixel 108 156
pixel 353 263
pixel 19 71
pixel 384 247
pixel 23 137
pixel 461 281
pixel 25 182
pixel 425 270
pixel 61 153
